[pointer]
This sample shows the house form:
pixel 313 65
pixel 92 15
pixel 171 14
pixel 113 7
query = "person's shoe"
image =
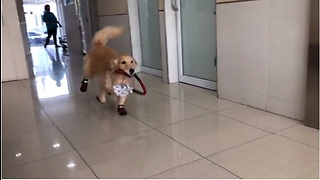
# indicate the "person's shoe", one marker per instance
pixel 45 46
pixel 57 46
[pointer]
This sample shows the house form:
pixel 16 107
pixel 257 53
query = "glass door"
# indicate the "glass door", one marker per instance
pixel 197 43
pixel 150 36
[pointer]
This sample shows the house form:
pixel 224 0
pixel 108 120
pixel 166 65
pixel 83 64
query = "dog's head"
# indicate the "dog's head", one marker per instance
pixel 125 63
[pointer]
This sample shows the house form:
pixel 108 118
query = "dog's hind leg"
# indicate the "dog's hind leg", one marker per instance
pixel 108 84
pixel 102 94
pixel 86 75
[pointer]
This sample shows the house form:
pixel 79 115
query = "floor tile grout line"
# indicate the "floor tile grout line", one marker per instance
pixel 229 108
pixel 246 123
pixel 29 132
pixel 287 128
pixel 216 111
pixel 33 161
pixel 198 154
pixel 20 82
pixel 241 144
pixel 298 123
pixel 270 134
pixel 178 99
pixel 31 96
pixel 43 105
pixel 180 121
pixel 297 141
pixel 237 104
pixel 17 114
pixel 151 177
pixel 114 139
pixel 265 111
pixel 207 157
pixel 72 146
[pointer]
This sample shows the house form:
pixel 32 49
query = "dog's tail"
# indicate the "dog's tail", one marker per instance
pixel 102 37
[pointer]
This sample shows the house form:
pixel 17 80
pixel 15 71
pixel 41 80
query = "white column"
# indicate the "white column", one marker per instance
pixel 172 42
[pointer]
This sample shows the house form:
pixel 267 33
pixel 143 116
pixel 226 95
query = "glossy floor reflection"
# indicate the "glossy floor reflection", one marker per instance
pixel 51 130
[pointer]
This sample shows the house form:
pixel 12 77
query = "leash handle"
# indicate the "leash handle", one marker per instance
pixel 144 89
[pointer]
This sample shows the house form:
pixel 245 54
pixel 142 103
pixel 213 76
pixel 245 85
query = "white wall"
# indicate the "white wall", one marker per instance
pixel 115 13
pixel 14 64
pixel 262 54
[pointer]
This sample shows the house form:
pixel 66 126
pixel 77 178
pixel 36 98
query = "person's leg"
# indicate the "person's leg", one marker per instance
pixel 49 32
pixel 54 33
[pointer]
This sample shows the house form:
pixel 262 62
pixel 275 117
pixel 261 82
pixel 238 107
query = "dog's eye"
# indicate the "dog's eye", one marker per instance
pixel 123 62
pixel 131 62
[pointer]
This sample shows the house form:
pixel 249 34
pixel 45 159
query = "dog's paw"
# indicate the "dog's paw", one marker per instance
pixel 122 111
pixel 84 86
pixel 102 102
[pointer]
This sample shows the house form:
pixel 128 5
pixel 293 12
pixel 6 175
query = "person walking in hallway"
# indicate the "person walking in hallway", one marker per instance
pixel 52 25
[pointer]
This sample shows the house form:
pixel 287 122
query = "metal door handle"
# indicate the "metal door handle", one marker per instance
pixel 174 5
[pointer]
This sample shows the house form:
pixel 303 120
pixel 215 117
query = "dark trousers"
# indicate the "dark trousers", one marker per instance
pixel 52 32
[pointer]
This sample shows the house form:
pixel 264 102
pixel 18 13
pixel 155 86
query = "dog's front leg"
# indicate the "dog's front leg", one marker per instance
pixel 121 110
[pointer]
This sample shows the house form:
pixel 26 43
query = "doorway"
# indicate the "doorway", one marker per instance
pixel 36 28
pixel 179 42
pixel 196 21
pixel 152 36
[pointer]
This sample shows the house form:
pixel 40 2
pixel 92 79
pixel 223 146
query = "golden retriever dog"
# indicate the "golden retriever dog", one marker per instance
pixel 113 71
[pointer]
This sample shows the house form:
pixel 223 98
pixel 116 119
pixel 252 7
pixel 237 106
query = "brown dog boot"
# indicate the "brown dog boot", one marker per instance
pixel 121 110
pixel 84 85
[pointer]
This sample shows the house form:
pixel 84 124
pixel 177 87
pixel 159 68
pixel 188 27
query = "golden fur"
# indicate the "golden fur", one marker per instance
pixel 102 61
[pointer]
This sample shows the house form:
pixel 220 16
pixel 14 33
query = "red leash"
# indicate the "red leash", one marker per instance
pixel 144 89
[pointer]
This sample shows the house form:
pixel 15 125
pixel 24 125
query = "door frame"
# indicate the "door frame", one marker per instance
pixel 212 85
pixel 133 12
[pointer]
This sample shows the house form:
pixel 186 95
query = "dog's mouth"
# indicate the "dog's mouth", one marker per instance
pixel 129 73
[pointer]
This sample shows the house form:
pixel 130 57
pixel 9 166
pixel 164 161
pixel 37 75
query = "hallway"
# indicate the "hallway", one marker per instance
pixel 51 130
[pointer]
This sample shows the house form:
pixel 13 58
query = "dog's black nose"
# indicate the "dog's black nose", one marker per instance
pixel 131 71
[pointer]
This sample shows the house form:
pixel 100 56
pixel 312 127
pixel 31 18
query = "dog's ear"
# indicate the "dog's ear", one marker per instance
pixel 115 63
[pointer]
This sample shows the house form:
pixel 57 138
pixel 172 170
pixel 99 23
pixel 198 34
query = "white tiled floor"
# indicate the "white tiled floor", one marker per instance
pixel 176 131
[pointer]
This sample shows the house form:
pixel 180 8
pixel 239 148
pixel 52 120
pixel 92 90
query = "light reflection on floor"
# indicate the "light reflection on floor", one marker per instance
pixel 50 68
